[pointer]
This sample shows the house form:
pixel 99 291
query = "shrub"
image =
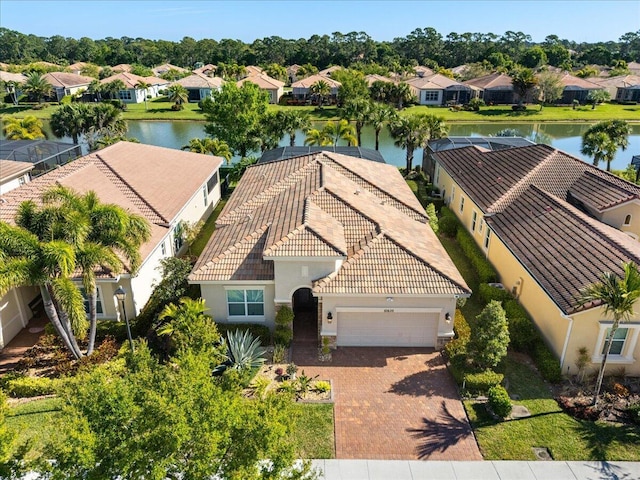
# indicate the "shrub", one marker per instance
pixel 458 346
pixel 322 386
pixel 474 104
pixel 486 272
pixel 488 293
pixel 547 363
pixel 284 315
pixel 282 335
pixel 481 382
pixel 499 401
pixel 448 226
pixel 176 107
pixel 433 218
pixel 256 330
pixel 20 387
pixel 634 413
pixel 489 337
pixel 522 333
pixel 278 353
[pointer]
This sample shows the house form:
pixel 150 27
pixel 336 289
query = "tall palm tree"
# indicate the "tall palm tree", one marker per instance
pixel 402 94
pixel 380 116
pixel 320 90
pixel 602 140
pixel 178 95
pixel 523 81
pixel 359 110
pixel 317 137
pixel 70 120
pixel 144 86
pixel 415 131
pixel 617 296
pixel 37 87
pixel 27 128
pixel 292 121
pixel 342 130
pixel 113 87
pixel 213 146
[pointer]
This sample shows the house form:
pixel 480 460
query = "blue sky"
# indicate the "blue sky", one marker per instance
pixel 586 20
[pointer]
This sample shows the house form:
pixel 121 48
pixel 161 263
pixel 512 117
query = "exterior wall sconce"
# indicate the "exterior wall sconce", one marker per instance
pixel 389 299
pixel 447 317
pixel 329 317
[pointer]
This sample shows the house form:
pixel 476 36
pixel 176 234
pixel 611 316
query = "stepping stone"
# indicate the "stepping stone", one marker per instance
pixel 519 411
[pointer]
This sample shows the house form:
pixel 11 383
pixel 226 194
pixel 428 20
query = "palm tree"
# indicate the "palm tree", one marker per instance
pixel 317 137
pixel 144 86
pixel 381 115
pixel 37 87
pixel 113 87
pixel 415 131
pixel 320 90
pixel 292 121
pixel 96 88
pixel 213 146
pixel 342 130
pixel 617 296
pixel 402 94
pixel 602 140
pixel 27 128
pixel 523 81
pixel 597 96
pixel 359 110
pixel 178 95
pixel 70 120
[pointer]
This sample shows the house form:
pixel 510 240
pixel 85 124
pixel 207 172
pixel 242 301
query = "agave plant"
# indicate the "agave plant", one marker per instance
pixel 244 352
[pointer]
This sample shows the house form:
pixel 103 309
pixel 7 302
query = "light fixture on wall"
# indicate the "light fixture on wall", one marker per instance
pixel 389 299
pixel 329 317
pixel 447 317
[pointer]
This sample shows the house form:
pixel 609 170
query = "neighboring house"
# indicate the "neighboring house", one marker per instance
pixel 132 93
pixel 122 68
pixel 551 224
pixel 422 71
pixel 340 238
pixel 634 68
pixel 209 70
pixel 65 84
pixel 78 67
pixel 328 71
pixel 437 89
pixel 624 88
pixel 300 89
pixel 495 88
pixel 166 186
pixel 17 78
pixel 575 88
pixel 372 78
pixel 449 143
pixel 459 70
pixel 253 70
pixel 165 67
pixel 200 86
pixel 283 153
pixel 275 88
pixel 292 73
pixel 14 174
pixel 44 155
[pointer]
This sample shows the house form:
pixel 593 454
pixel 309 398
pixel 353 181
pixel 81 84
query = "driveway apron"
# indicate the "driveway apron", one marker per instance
pixel 393 403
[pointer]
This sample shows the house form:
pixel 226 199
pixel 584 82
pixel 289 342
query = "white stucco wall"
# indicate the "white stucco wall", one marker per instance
pixel 14 183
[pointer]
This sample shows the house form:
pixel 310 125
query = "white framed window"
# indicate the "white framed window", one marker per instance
pixel 163 248
pixel 461 203
pixel 22 181
pixel 124 95
pixel 453 194
pixel 99 307
pixel 205 194
pixel 474 219
pixel 245 303
pixel 431 95
pixel 481 225
pixel 487 234
pixel 624 342
pixel 627 220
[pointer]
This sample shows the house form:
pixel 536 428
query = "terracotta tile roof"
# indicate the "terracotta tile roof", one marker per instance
pixel 12 77
pixel 132 80
pixel 328 71
pixel 308 81
pixel 253 70
pixel 327 204
pixel 495 179
pixel 424 71
pixel 263 81
pixel 200 80
pixel 62 80
pixel 122 67
pixel 561 247
pixel 571 82
pixel 619 81
pixel 372 78
pixel 140 178
pixel 11 169
pixel 206 68
pixel 434 82
pixel 498 81
pixel 165 67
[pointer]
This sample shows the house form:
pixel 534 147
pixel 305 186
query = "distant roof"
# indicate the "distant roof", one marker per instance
pixel 328 71
pixel 621 81
pixel 10 169
pixel 12 77
pixel 283 153
pixel 490 143
pixel 330 206
pixel 122 67
pixel 308 81
pixel 263 81
pixel 576 83
pixel 132 80
pixel 165 67
pixel 436 82
pixel 200 80
pixel 498 81
pixel 62 79
pixel 373 77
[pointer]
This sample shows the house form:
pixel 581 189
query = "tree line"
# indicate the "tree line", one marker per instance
pixel 425 46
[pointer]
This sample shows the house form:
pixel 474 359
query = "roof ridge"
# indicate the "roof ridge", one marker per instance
pixel 307 223
pixel 127 189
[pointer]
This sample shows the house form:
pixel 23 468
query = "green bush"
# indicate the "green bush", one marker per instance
pixel 486 272
pixel 523 334
pixel 458 346
pixel 634 413
pixel 448 226
pixel 21 387
pixel 284 316
pixel 433 217
pixel 547 363
pixel 488 293
pixel 481 382
pixel 499 401
pixel 256 330
pixel 282 335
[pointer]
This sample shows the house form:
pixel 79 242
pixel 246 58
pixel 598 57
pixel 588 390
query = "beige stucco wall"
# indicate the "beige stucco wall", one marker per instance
pixel 616 217
pixel 15 312
pixel 215 297
pixel 289 274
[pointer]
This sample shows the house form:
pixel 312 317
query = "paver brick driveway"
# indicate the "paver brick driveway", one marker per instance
pixel 393 403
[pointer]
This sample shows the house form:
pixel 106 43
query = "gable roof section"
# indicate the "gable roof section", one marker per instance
pixel 576 83
pixel 263 81
pixel 63 80
pixel 562 248
pixel 308 81
pixel 493 81
pixel 329 205
pixel 10 169
pixel 200 80
pixel 435 82
pixel 132 80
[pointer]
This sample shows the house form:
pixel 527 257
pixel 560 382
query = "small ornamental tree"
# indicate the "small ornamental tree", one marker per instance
pixel 489 337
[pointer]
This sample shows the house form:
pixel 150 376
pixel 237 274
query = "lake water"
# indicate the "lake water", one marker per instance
pixel 563 136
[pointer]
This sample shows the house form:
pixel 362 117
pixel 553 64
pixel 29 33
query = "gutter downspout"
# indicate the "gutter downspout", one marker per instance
pixel 566 340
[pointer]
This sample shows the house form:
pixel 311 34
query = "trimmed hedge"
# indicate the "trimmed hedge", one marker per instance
pixel 282 335
pixel 433 217
pixel 284 315
pixel 547 363
pixel 23 387
pixel 462 330
pixel 489 293
pixel 448 226
pixel 482 382
pixel 486 272
pixel 499 401
pixel 258 331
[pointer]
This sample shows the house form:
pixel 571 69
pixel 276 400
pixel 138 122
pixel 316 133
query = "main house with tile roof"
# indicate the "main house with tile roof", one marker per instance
pixel 551 224
pixel 342 236
pixel 141 179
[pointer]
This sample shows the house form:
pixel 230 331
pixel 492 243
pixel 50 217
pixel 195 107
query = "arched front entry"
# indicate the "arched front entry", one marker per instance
pixel 305 320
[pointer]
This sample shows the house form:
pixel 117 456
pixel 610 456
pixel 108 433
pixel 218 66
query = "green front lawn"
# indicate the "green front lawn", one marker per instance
pixel 34 422
pixel 565 437
pixel 314 430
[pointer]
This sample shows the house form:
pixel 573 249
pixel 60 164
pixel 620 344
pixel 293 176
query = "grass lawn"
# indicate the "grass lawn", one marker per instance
pixel 314 430
pixel 34 422
pixel 160 109
pixel 565 437
pixel 210 225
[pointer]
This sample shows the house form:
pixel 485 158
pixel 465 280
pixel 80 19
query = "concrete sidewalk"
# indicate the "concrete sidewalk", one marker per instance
pixel 498 470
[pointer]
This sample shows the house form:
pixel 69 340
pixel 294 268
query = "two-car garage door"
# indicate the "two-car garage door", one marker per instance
pixel 387 329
